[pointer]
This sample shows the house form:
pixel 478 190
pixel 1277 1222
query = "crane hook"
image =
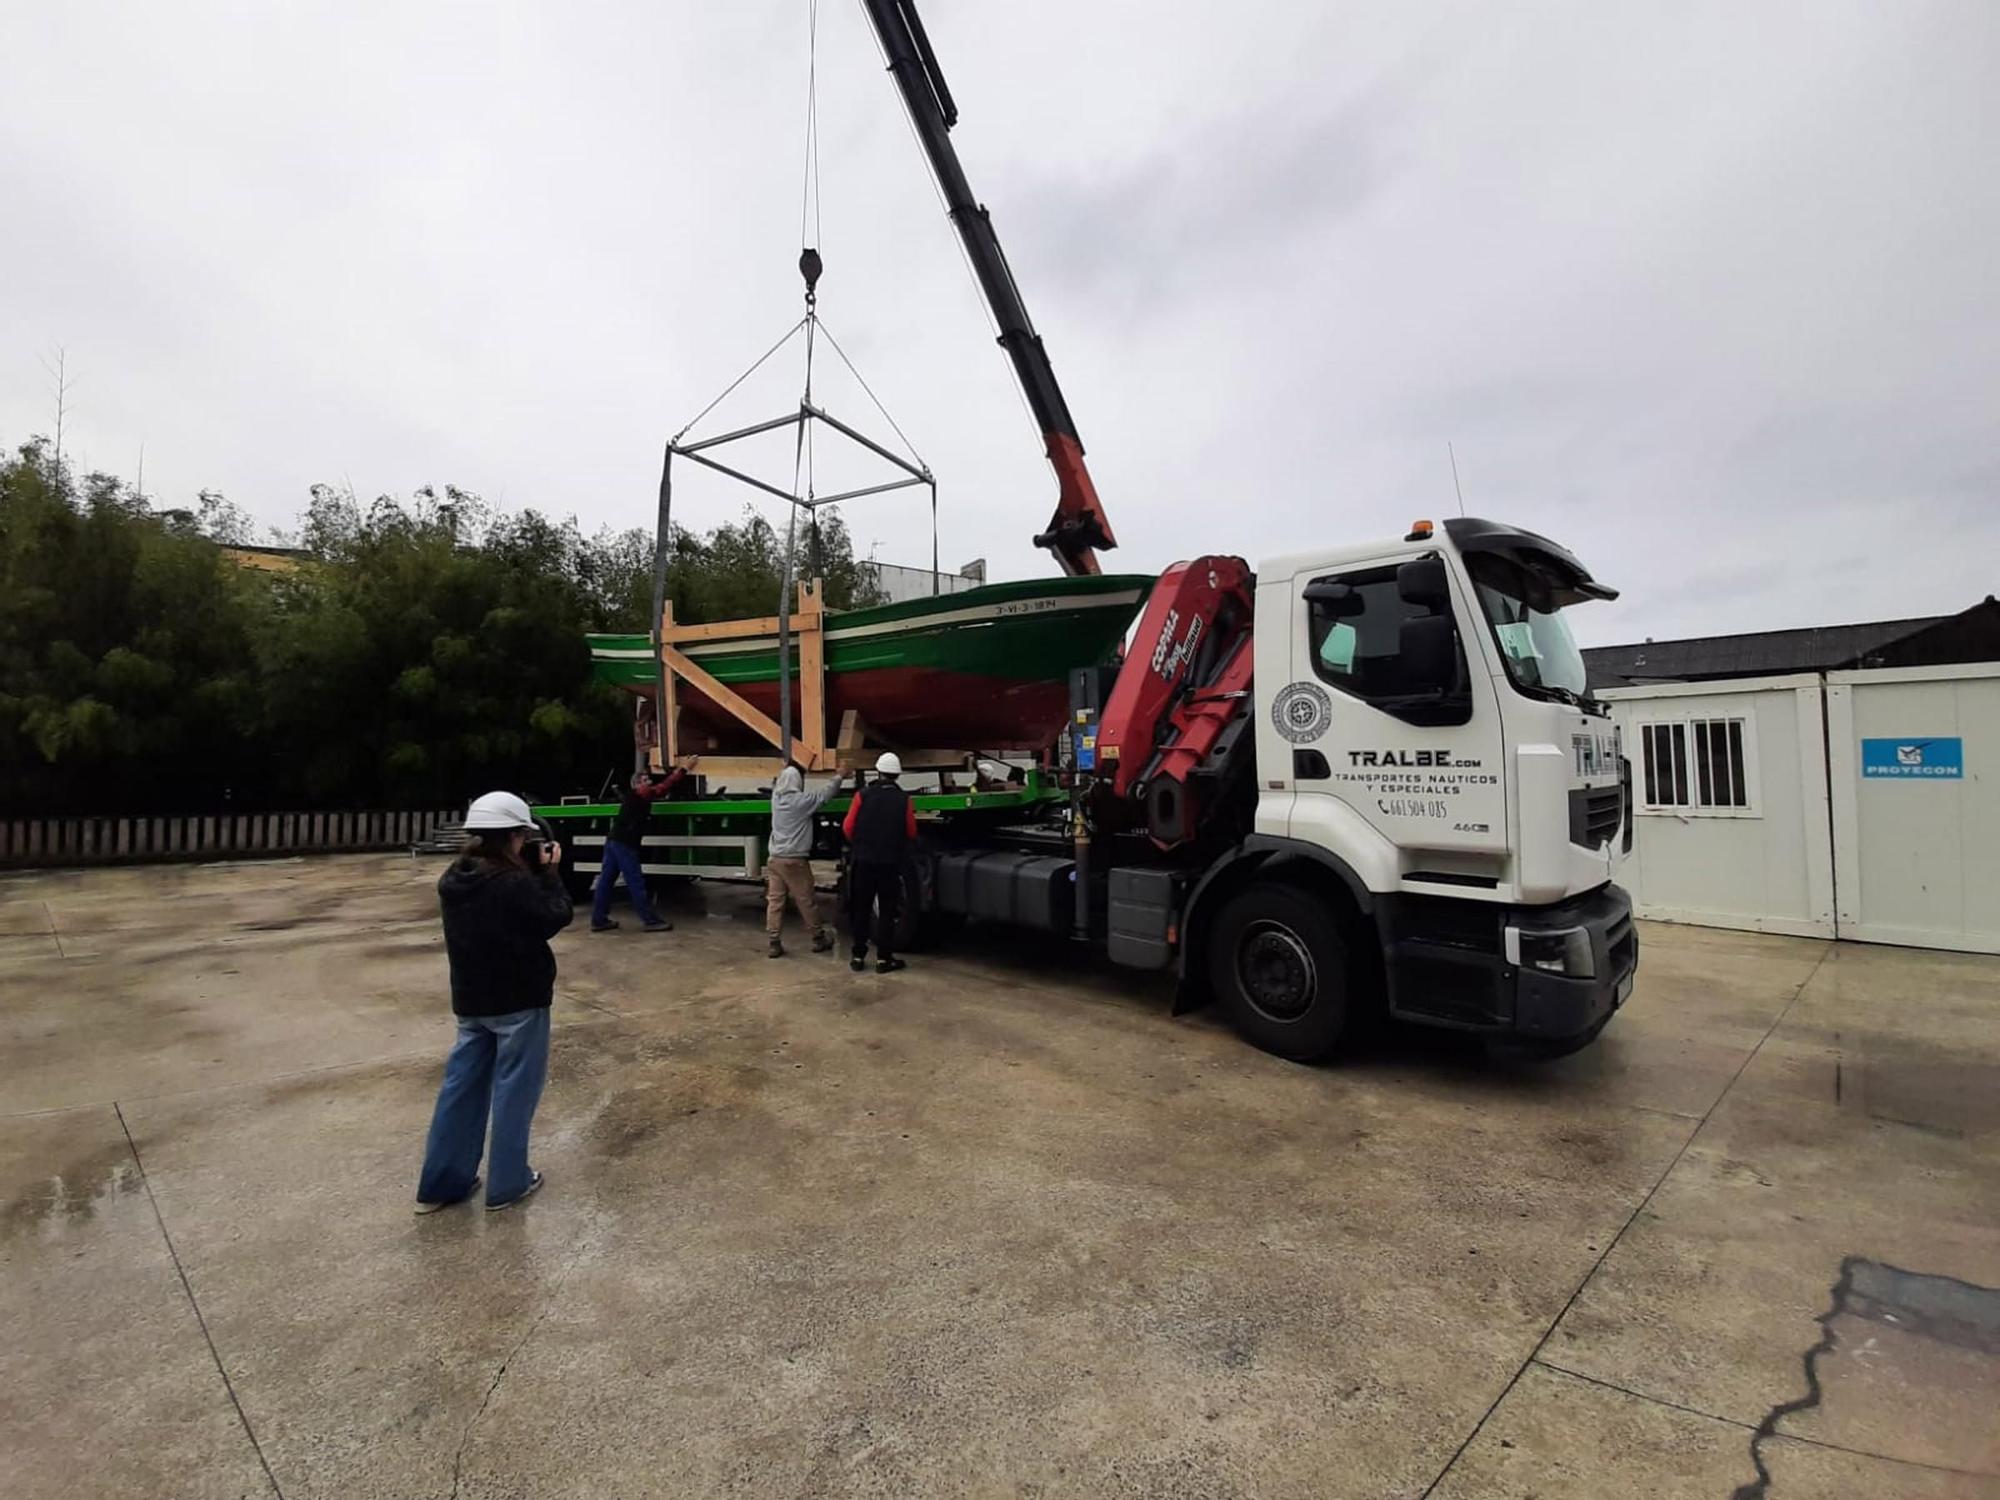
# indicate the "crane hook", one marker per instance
pixel 810 266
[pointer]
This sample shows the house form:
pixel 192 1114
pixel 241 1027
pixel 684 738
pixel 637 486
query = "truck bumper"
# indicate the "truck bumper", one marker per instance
pixel 1598 947
pixel 1547 976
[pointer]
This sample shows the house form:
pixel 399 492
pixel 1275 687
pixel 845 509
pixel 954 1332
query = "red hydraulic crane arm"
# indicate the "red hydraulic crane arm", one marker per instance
pixel 1079 530
pixel 1184 689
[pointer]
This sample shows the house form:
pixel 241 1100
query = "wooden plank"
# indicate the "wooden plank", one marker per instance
pixel 725 698
pixel 737 766
pixel 812 676
pixel 913 760
pixel 667 714
pixel 723 630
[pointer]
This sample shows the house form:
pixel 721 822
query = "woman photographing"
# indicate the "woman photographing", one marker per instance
pixel 502 900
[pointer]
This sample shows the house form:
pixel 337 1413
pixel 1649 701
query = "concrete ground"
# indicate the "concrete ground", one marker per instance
pixel 993 1227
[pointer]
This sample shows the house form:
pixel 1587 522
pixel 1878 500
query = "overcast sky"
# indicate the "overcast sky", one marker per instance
pixel 1709 292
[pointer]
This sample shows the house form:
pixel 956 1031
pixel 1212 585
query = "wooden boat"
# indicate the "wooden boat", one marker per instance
pixel 986 669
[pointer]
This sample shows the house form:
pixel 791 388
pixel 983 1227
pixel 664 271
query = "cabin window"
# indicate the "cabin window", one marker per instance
pixel 1698 767
pixel 1355 644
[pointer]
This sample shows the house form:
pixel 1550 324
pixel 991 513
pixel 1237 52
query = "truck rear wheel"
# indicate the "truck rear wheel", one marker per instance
pixel 1277 960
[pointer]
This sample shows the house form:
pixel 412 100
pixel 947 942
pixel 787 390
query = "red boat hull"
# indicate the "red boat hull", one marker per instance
pixel 919 707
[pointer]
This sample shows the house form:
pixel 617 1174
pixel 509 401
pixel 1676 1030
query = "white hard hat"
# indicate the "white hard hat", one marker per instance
pixel 888 765
pixel 498 810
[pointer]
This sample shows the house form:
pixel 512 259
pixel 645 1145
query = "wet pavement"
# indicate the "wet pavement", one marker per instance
pixel 996 1226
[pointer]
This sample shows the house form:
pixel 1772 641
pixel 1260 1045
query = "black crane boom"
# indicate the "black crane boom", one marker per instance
pixel 1079 529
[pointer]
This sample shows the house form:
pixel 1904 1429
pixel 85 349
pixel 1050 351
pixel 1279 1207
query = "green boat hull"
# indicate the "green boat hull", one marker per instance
pixel 985 669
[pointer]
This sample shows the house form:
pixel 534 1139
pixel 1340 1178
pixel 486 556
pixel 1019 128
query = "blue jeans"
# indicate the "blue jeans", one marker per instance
pixel 621 859
pixel 501 1063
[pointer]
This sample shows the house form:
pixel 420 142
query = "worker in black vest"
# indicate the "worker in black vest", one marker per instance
pixel 880 825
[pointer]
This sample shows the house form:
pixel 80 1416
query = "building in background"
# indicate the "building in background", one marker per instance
pixel 264 559
pixel 898 583
pixel 1972 635
pixel 1838 781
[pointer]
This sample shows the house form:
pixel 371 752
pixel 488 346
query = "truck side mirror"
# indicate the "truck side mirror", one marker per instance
pixel 1429 648
pixel 1341 601
pixel 1423 581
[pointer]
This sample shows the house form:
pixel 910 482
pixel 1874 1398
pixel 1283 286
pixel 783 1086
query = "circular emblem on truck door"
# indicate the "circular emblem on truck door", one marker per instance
pixel 1302 712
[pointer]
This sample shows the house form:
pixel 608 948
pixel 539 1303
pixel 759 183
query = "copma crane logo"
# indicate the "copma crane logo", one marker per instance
pixel 1169 658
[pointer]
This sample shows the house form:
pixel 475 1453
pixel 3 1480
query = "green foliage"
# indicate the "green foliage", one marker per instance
pixel 421 651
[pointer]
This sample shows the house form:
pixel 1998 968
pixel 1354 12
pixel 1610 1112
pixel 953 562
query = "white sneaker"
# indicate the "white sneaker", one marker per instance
pixel 534 1186
pixel 431 1208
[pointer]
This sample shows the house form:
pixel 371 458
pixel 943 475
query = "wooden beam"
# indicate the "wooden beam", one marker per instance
pixel 669 709
pixel 853 733
pixel 727 699
pixel 812 675
pixel 728 767
pixel 667 712
pixel 913 760
pixel 740 767
pixel 726 630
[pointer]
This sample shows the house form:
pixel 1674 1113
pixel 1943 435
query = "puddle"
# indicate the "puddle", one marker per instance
pixel 1909 1361
pixel 67 1200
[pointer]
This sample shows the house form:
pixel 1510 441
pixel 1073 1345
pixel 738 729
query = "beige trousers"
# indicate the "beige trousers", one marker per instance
pixel 794 877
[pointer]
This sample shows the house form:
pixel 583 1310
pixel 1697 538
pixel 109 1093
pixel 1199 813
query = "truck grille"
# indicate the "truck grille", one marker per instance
pixel 1595 815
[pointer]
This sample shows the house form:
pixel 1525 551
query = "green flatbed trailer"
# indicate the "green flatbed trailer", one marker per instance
pixel 727 837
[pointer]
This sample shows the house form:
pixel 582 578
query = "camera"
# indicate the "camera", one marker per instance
pixel 534 851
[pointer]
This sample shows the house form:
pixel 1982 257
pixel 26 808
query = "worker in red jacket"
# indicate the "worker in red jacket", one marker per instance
pixel 880 825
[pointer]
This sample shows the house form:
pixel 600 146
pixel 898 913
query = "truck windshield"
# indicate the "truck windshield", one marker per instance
pixel 1534 639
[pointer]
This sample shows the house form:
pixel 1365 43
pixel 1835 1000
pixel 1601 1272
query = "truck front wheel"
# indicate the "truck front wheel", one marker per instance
pixel 1277 961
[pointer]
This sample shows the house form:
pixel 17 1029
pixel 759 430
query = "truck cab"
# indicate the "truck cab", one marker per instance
pixel 1433 772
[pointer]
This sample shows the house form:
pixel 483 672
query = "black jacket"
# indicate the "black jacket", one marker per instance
pixel 880 824
pixel 497 924
pixel 635 807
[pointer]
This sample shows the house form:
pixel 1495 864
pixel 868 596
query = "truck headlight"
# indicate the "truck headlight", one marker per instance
pixel 1565 951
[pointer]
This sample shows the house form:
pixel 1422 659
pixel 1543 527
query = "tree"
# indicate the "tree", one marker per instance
pixel 123 644
pixel 425 649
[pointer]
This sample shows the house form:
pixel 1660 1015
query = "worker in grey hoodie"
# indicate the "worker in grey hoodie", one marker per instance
pixel 788 870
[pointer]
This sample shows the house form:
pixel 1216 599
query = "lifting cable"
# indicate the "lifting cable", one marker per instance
pixel 803 493
pixel 810 267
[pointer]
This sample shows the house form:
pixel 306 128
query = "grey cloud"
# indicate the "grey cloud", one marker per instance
pixel 1247 186
pixel 1713 305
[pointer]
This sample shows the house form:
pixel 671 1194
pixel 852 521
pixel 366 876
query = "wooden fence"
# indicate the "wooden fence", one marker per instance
pixel 95 841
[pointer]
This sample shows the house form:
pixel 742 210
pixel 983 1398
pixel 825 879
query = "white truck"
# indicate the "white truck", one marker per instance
pixel 1371 778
